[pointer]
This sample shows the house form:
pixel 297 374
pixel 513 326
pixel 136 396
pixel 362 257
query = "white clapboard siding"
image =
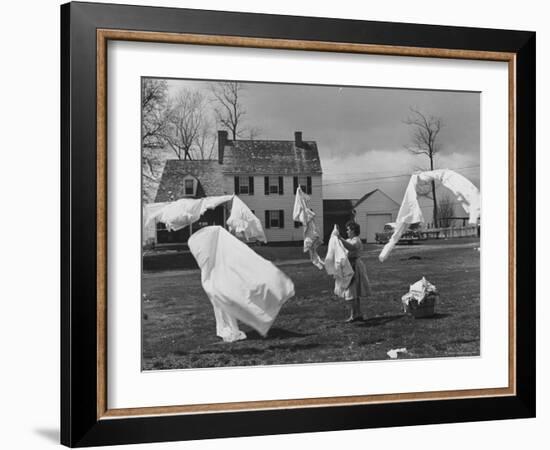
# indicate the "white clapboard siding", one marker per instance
pixel 259 203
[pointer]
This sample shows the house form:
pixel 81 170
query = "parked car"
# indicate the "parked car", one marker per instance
pixel 413 233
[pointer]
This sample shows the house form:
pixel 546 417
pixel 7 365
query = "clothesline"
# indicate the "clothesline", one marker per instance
pixel 410 211
pixel 181 213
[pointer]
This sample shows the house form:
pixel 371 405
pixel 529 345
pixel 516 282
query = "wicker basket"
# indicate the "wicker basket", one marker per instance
pixel 424 309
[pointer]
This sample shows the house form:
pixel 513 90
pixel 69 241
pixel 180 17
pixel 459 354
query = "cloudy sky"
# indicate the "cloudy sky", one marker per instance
pixel 360 131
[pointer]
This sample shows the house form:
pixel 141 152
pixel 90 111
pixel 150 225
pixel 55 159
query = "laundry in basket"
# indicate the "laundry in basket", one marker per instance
pixel 421 299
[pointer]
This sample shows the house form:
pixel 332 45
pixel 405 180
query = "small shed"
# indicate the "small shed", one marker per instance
pixel 373 211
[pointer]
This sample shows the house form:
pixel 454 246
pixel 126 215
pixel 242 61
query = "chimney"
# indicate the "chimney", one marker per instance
pixel 298 138
pixel 222 140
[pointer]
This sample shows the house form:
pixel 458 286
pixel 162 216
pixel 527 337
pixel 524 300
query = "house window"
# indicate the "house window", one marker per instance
pixel 189 187
pixel 275 219
pixel 273 185
pixel 304 182
pixel 244 185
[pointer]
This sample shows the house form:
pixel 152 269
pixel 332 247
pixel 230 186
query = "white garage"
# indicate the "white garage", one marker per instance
pixel 373 211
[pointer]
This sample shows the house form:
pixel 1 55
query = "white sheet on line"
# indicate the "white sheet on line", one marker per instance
pixel 243 223
pixel 409 212
pixel 241 285
pixel 181 213
pixel 304 214
pixel 337 264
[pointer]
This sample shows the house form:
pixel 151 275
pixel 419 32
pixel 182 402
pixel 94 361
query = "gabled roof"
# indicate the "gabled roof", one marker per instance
pixel 368 194
pixel 271 157
pixel 207 171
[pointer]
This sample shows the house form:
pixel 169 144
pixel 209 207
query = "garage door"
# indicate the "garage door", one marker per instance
pixel 375 224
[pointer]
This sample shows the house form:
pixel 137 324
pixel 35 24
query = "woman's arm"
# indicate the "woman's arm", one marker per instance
pixel 346 244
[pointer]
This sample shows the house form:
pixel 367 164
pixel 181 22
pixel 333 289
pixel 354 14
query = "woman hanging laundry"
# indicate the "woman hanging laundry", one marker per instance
pixel 359 286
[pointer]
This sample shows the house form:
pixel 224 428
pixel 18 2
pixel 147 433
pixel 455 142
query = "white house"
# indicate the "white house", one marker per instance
pixel 263 173
pixel 373 211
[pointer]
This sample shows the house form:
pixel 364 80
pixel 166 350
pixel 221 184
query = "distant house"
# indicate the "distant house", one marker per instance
pixel 263 173
pixel 373 211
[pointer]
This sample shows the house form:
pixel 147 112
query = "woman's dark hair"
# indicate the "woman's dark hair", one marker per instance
pixel 354 227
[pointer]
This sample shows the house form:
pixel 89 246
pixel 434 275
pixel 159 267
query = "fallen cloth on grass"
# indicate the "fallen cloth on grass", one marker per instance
pixel 304 214
pixel 241 285
pixel 394 352
pixel 337 264
pixel 409 212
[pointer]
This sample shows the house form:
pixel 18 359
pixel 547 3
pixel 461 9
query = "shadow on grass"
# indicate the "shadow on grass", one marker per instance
pixel 275 333
pixel 294 347
pixel 380 320
pixel 436 316
pixel 242 351
pixel 228 349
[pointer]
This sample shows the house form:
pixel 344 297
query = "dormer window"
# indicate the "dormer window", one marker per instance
pixel 189 188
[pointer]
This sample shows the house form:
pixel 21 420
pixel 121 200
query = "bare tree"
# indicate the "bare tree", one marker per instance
pixel 185 122
pixel 424 136
pixel 206 141
pixel 229 108
pixel 154 105
pixel 446 210
pixel 253 133
pixel 154 109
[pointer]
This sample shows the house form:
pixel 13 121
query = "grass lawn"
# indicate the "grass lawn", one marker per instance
pixel 179 326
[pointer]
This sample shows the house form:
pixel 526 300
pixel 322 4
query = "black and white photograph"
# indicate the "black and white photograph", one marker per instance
pixel 294 224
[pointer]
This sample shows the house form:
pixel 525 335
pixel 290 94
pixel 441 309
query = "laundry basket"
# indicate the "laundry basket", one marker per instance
pixel 425 308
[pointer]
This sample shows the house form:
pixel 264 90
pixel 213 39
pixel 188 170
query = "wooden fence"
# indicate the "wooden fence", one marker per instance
pixel 451 232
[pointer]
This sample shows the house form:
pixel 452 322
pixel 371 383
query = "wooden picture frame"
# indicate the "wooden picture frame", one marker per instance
pixel 86 418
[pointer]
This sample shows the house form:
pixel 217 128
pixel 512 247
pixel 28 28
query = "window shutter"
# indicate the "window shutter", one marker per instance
pixel 250 185
pixel 267 225
pixel 281 218
pixel 309 185
pixel 237 185
pixel 281 185
pixel 266 185
pixel 295 184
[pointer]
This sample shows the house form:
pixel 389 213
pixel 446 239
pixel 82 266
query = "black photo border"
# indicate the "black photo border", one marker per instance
pixel 82 421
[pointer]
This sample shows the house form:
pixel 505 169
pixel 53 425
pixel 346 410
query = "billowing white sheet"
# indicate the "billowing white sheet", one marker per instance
pixel 240 284
pixel 243 223
pixel 181 213
pixel 304 214
pixel 409 212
